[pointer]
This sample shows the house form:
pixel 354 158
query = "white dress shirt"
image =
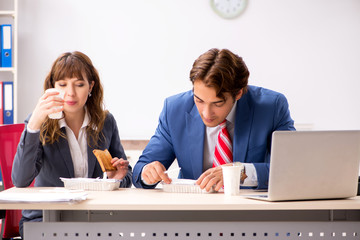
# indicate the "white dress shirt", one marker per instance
pixel 211 135
pixel 78 147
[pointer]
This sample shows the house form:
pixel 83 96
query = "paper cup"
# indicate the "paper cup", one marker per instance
pixel 57 115
pixel 231 176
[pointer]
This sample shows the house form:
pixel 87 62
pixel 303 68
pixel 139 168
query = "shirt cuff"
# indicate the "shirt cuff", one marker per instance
pixel 143 181
pixel 251 180
pixel 31 130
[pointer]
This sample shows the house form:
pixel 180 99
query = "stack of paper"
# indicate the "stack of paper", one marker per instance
pixel 44 196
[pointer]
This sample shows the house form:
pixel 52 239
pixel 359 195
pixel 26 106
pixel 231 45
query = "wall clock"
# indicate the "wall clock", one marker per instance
pixel 228 8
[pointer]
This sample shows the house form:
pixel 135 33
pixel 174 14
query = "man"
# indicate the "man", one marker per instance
pixel 189 126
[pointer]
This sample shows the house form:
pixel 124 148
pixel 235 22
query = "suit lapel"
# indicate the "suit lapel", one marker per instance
pixel 64 150
pixel 91 161
pixel 244 116
pixel 195 129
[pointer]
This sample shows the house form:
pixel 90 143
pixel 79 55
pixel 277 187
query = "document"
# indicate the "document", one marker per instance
pixel 48 196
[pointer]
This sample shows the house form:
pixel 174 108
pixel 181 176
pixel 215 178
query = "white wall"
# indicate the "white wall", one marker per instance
pixel 144 49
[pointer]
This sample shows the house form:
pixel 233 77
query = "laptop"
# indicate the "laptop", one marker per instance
pixel 313 165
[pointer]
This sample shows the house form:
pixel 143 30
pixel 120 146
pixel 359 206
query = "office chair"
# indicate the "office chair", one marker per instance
pixel 9 138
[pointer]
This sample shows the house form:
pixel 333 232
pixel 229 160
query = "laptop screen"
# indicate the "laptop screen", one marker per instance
pixel 314 164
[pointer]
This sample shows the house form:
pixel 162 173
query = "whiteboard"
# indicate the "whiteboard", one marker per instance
pixel 144 50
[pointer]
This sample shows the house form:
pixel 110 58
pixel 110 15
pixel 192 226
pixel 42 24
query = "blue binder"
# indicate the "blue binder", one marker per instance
pixel 6 45
pixel 8 102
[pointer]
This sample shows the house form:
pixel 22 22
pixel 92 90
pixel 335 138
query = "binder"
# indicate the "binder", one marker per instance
pixel 8 102
pixel 1 103
pixel 6 45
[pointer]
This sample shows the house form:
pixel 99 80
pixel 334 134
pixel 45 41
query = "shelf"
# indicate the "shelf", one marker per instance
pixel 7 13
pixel 2 69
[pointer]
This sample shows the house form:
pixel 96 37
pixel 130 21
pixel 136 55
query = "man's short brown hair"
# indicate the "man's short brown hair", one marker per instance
pixel 222 70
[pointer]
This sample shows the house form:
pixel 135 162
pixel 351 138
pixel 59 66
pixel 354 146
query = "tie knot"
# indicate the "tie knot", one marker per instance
pixel 223 124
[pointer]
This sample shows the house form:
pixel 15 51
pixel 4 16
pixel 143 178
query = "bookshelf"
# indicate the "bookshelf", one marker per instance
pixel 9 15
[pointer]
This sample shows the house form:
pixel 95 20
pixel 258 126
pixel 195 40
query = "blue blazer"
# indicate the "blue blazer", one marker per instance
pixel 180 134
pixel 46 164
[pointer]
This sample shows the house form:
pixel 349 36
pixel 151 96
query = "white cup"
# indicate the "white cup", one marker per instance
pixel 231 176
pixel 56 115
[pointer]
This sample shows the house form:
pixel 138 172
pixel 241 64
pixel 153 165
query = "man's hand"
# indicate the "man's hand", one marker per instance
pixel 212 177
pixel 154 172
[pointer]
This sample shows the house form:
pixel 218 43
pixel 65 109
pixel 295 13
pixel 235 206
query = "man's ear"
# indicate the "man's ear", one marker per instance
pixel 238 96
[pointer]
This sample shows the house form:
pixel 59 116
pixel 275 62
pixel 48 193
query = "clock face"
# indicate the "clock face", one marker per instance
pixel 228 8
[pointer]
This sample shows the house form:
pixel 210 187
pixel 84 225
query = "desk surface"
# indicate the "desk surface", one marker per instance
pixel 156 199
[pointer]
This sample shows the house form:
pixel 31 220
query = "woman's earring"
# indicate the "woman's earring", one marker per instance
pixel 89 94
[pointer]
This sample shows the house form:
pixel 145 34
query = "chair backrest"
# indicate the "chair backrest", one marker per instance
pixel 9 138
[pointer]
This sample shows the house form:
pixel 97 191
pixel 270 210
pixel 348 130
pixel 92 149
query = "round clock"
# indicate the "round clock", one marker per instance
pixel 228 8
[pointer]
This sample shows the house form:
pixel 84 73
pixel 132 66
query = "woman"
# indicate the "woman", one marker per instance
pixel 54 148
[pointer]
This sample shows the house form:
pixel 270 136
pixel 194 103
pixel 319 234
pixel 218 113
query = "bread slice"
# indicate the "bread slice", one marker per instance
pixel 104 159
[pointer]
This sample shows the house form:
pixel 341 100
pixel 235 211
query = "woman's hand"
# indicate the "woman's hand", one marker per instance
pixel 121 168
pixel 44 107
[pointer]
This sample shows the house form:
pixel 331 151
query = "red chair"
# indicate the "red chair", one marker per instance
pixel 9 138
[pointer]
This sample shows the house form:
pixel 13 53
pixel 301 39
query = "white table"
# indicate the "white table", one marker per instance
pixel 153 214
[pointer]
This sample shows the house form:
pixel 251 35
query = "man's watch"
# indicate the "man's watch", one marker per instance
pixel 243 175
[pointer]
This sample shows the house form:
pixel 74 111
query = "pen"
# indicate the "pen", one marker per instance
pixel 173 170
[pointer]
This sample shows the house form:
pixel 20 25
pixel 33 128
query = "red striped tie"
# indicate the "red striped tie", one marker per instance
pixel 223 148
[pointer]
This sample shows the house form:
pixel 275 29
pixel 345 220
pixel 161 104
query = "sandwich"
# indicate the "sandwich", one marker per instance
pixel 104 159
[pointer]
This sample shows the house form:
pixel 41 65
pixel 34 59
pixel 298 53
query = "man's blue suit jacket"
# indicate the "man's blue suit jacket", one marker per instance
pixel 180 134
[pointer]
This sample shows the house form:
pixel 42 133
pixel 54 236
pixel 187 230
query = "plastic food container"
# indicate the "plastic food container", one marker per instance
pixel 92 184
pixel 184 186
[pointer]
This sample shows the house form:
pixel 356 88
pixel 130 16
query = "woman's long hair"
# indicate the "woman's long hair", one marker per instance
pixel 76 65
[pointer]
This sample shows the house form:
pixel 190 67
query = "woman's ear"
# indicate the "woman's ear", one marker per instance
pixel 91 86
